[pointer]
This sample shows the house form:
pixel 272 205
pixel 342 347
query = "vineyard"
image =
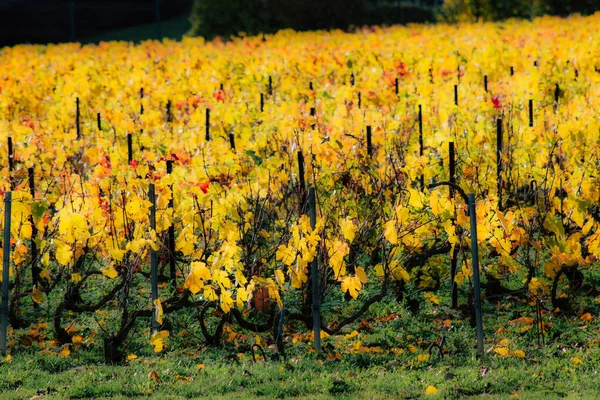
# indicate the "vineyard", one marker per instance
pixel 284 184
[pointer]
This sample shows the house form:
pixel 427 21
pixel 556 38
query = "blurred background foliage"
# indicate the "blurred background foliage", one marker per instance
pixel 212 18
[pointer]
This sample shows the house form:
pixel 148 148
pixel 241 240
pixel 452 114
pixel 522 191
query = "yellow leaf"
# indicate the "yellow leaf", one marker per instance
pixel 195 280
pixel 390 232
pixel 65 352
pixel 351 285
pixel 279 277
pixel 351 335
pixel 131 357
pixel 157 340
pixel 37 295
pixel 110 272
pixel 431 390
pixel 8 358
pixel 379 270
pixel 257 340
pixel 415 199
pixel 348 229
pixel 63 254
pixel 576 360
pixel 361 274
pixel 75 277
pixel 200 367
pixel 159 311
pixel 432 298
pixel 502 351
pixel 519 353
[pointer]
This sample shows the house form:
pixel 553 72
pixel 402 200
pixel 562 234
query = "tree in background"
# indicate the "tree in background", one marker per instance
pixel 230 17
pixel 493 10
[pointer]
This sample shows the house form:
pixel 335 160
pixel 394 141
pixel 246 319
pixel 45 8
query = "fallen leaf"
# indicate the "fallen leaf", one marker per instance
pixel 431 390
pixel 65 352
pixel 154 376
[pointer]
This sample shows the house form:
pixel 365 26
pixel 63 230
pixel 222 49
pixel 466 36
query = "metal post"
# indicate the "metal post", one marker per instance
pixel 314 272
pixel 475 265
pixel 301 181
pixel 172 265
pixel 77 118
pixel 5 271
pixel 129 148
pixel 369 142
pixel 422 178
pixel 499 166
pixel 455 95
pixel 141 103
pixel 153 259
pixel 531 113
pixel 207 137
pixel 35 271
pixel 11 162
pixel 454 259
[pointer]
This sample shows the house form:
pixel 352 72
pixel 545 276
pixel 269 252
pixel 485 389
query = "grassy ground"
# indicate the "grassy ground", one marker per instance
pixel 179 375
pixel 384 356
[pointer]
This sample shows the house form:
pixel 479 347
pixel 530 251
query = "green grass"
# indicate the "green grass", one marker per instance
pixel 355 377
pixel 384 361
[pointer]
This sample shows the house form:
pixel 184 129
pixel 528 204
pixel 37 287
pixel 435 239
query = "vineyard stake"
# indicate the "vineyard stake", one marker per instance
pixel 396 84
pixel 77 118
pixel 531 113
pixel 369 142
pixel 470 201
pixel 499 160
pixel 99 121
pixel 313 114
pixel 352 79
pixel 512 70
pixel 207 137
pixel 455 95
pixel 129 148
pixel 422 177
pixel 153 259
pixel 359 100
pixel 35 271
pixel 232 140
pixel 141 103
pixel 270 91
pixel 171 231
pixel 11 162
pixel 556 93
pixel 5 270
pixel 475 265
pixel 485 83
pixel 262 102
pixel 454 259
pixel 314 272
pixel 302 182
pixel 169 115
